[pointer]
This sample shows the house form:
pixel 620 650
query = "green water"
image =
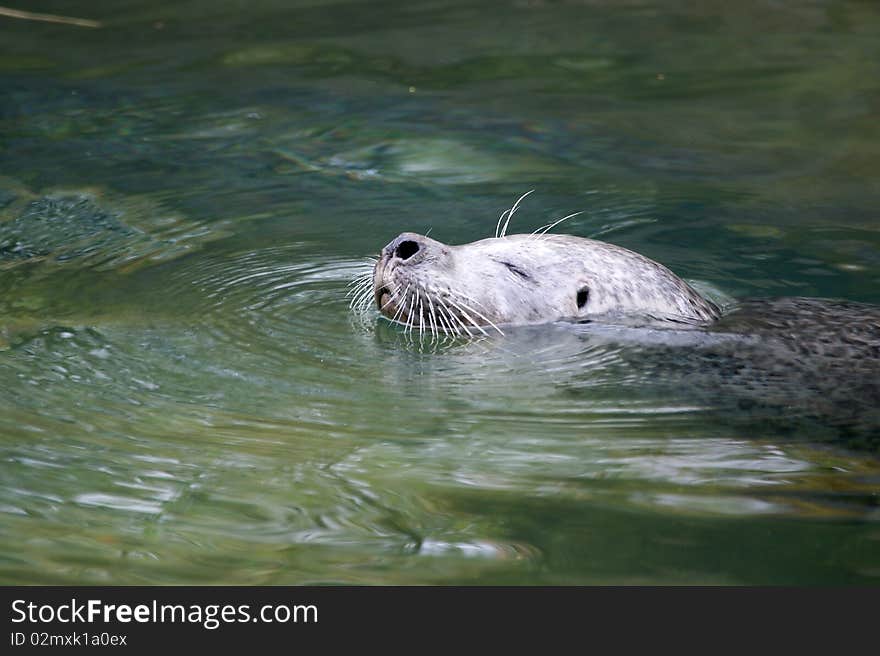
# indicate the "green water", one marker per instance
pixel 186 192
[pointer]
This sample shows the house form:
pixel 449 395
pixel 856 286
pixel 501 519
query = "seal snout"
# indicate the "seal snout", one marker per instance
pixel 407 249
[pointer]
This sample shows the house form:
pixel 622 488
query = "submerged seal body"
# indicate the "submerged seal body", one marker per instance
pixel 526 279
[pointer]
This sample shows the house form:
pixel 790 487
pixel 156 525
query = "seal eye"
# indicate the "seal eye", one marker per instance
pixel 583 296
pixel 516 270
pixel 406 249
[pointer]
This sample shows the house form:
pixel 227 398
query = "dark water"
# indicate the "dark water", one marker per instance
pixel 187 190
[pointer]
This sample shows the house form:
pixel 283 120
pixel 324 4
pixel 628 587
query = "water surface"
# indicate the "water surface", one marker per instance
pixel 186 192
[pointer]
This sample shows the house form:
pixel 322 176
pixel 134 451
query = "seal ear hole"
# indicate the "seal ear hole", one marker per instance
pixel 583 296
pixel 406 249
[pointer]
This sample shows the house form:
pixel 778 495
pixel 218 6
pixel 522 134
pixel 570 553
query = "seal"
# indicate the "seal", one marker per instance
pixel 762 361
pixel 526 279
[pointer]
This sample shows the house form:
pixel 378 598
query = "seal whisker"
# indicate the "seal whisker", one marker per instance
pixel 360 296
pixel 454 321
pixel 391 300
pixel 411 312
pixel 447 328
pixel 366 300
pixel 546 226
pixel 481 316
pixel 355 300
pixel 512 211
pixel 432 316
pixel 366 275
pixel 361 301
pixel 366 284
pixel 461 323
pixel 468 317
pixel 545 229
pixel 498 225
pixel 470 299
pixel 421 319
pixel 401 305
pixel 366 287
pixel 443 312
pixel 403 317
pixel 357 286
pixel 369 266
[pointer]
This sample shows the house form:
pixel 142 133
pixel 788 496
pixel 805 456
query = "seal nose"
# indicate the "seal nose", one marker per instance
pixel 406 249
pixel 405 246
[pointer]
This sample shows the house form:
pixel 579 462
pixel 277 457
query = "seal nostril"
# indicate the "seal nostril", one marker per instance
pixel 583 296
pixel 406 249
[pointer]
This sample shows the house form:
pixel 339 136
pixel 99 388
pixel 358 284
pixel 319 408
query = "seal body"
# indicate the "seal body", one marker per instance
pixel 526 279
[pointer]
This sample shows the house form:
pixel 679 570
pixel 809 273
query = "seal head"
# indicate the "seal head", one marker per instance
pixel 526 279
